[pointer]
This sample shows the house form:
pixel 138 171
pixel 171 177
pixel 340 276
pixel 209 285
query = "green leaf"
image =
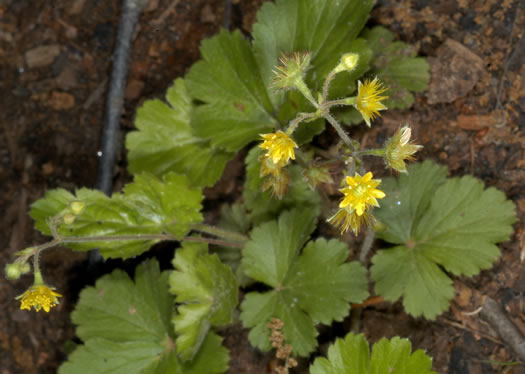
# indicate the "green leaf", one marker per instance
pixel 165 142
pixel 234 218
pixel 236 106
pixel 326 29
pixel 126 329
pixel 351 356
pixel 323 28
pixel 207 291
pixel 303 285
pixel 262 206
pixel 396 64
pixel 453 224
pixel 148 206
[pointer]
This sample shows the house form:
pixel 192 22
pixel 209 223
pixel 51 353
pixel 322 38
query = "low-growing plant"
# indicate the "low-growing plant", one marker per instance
pixel 239 93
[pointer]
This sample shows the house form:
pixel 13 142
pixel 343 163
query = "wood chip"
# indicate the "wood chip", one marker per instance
pixel 42 56
pixel 477 122
pixel 61 101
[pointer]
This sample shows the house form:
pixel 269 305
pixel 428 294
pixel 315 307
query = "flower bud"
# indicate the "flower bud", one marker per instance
pixel 68 218
pixel 348 62
pixel 77 207
pixel 289 75
pixel 16 269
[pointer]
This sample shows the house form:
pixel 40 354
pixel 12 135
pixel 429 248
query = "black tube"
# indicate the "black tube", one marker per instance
pixel 110 141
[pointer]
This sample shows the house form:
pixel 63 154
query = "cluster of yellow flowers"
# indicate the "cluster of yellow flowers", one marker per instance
pixel 360 192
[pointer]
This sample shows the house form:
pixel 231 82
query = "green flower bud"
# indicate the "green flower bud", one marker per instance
pixel 77 207
pixel 68 218
pixel 348 62
pixel 16 269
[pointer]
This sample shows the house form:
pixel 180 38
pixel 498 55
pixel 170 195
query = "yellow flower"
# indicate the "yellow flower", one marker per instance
pixel 39 296
pixel 399 148
pixel 369 99
pixel 346 219
pixel 280 147
pixel 361 193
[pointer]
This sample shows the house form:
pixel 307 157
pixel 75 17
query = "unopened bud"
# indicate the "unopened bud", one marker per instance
pixel 77 207
pixel 68 218
pixel 16 269
pixel 348 62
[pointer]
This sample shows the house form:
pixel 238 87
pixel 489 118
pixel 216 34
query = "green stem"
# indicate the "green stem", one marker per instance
pixel 303 88
pixel 345 138
pixel 208 229
pixel 332 103
pixel 111 238
pixel 292 126
pixel 326 84
pixel 380 152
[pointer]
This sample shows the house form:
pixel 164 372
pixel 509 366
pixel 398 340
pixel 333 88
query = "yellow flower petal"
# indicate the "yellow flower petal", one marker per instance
pixel 280 147
pixel 39 297
pixel 361 193
pixel 369 99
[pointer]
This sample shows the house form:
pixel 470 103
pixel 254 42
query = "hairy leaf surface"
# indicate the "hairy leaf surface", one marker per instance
pixel 436 222
pixel 207 292
pixel 313 287
pixel 126 328
pixel 147 206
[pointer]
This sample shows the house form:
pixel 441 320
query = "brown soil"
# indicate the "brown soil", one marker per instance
pixel 54 68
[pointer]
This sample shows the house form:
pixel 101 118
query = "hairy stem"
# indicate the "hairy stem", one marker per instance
pixel 208 229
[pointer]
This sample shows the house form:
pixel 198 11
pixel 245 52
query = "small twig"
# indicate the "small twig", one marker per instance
pixel 95 95
pixel 497 318
pixel 159 21
pixel 469 329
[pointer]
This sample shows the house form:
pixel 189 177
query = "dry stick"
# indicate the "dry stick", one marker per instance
pixel 110 144
pixel 159 21
pixel 498 319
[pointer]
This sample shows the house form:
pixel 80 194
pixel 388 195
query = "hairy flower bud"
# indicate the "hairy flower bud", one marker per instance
pixel 399 148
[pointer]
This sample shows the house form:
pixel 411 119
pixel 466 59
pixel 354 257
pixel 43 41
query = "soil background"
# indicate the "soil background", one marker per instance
pixel 55 60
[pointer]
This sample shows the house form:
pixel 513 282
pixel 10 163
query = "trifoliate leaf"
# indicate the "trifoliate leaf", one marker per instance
pixel 313 287
pixel 351 356
pixel 396 64
pixel 453 224
pixel 148 206
pixel 207 291
pixel 236 106
pixel 165 142
pixel 127 330
pixel 262 206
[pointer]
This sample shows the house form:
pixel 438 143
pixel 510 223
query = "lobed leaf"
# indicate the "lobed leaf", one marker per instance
pixel 396 64
pixel 147 206
pixel 164 141
pixel 351 355
pixel 207 293
pixel 126 329
pixel 236 106
pixel 303 285
pixel 436 223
